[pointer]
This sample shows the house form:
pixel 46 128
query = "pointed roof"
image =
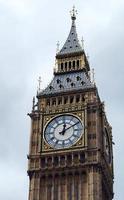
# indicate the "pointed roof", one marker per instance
pixel 68 82
pixel 72 44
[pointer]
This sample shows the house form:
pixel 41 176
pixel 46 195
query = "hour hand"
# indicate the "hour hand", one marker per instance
pixel 63 131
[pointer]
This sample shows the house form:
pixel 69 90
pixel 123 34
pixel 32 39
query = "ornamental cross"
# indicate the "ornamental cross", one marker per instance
pixel 73 12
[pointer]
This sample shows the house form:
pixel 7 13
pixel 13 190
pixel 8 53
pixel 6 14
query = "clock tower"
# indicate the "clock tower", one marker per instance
pixel 70 154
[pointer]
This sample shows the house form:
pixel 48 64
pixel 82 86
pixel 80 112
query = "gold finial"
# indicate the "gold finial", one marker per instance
pixel 73 13
pixel 82 42
pixel 39 83
pixel 57 48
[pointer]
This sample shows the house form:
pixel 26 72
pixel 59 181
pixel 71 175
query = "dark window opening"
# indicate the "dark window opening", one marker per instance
pixel 62 160
pixel 59 101
pixel 43 162
pixel 69 159
pixel 61 66
pixel 83 99
pixel 77 63
pixel 65 100
pixel 54 102
pixel 69 65
pixel 76 158
pixel 56 161
pixel 48 102
pixel 73 64
pixel 71 99
pixel 77 99
pixel 49 161
pixel 82 157
pixel 66 66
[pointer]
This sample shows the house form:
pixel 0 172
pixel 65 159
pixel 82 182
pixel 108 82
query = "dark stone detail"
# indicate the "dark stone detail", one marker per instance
pixel 58 81
pixel 72 84
pixel 91 136
pixel 61 86
pixel 50 87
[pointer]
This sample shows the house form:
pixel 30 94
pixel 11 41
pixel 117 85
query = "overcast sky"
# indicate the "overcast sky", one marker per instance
pixel 29 31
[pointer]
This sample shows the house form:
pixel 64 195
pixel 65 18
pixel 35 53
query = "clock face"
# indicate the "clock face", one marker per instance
pixel 63 131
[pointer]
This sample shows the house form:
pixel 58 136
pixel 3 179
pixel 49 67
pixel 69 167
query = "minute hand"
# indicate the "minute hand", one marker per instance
pixel 71 126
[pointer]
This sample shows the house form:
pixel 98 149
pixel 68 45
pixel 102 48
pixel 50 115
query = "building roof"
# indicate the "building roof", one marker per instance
pixel 72 44
pixel 67 82
pixel 72 80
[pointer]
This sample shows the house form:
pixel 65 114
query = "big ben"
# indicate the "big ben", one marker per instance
pixel 70 154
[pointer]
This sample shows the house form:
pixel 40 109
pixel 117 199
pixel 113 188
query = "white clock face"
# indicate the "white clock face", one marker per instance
pixel 63 131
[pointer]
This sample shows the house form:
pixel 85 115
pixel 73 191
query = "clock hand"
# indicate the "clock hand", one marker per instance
pixel 71 126
pixel 63 131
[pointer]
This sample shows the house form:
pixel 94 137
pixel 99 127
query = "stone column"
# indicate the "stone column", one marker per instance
pixel 94 184
pixel 90 185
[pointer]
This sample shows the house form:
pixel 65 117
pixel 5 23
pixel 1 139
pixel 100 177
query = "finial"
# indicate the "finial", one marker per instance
pixel 57 48
pixel 33 102
pixel 82 41
pixel 87 56
pixel 89 74
pixel 55 66
pixel 39 83
pixel 93 76
pixel 73 13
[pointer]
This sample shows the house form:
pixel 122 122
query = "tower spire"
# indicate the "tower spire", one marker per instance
pixel 72 44
pixel 73 13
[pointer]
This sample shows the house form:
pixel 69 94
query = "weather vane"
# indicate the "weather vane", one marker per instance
pixel 73 13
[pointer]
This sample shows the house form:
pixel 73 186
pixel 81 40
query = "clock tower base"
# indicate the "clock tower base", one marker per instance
pixel 68 177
